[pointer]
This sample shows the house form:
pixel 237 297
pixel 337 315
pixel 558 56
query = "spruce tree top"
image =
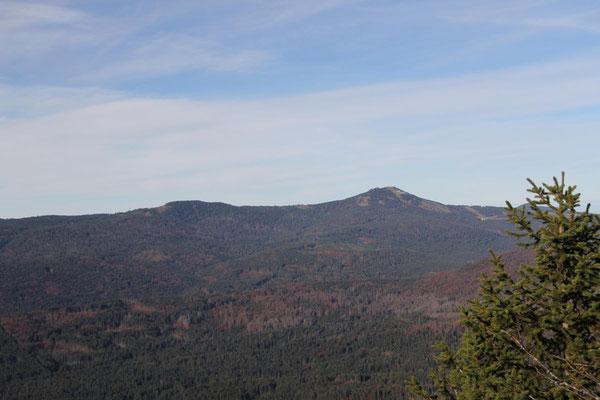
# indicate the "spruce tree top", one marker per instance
pixel 536 335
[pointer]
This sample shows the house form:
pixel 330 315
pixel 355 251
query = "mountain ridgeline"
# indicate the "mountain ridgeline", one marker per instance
pixel 193 247
pixel 198 300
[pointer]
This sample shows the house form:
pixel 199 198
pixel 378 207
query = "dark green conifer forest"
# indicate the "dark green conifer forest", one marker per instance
pixel 341 301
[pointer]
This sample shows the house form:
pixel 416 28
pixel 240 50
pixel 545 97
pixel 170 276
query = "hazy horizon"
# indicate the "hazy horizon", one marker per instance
pixel 118 211
pixel 111 106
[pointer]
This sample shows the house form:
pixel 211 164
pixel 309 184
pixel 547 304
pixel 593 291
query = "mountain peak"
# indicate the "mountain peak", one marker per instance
pixel 386 191
pixel 395 190
pixel 391 195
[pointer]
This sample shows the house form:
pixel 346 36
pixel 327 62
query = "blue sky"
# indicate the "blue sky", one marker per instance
pixel 108 106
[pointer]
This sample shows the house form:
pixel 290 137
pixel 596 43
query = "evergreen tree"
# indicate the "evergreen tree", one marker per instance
pixel 535 335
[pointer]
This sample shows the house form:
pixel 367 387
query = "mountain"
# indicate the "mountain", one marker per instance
pixel 207 300
pixel 193 247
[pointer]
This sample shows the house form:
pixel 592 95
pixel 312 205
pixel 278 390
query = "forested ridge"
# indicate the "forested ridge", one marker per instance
pixel 217 248
pixel 208 300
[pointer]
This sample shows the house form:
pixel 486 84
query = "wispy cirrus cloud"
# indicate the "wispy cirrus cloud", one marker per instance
pixel 529 14
pixel 100 100
pixel 142 43
pixel 262 15
pixel 173 53
pixel 32 30
pixel 164 149
pixel 18 15
pixel 34 101
pixel 102 47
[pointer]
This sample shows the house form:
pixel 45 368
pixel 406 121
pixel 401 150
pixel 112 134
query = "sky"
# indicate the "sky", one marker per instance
pixel 108 106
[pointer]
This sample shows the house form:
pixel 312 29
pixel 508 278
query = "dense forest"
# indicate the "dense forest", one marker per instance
pixel 356 340
pixel 216 248
pixel 207 300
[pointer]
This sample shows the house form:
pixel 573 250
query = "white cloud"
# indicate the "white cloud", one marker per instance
pixel 17 15
pixel 532 14
pixel 267 14
pixel 20 102
pixel 81 45
pixel 172 53
pixel 178 148
pixel 109 46
pixel 29 31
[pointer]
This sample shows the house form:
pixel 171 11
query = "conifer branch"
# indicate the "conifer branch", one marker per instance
pixel 548 374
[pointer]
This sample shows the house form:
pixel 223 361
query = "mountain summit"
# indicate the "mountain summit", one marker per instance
pixel 194 246
pixel 395 196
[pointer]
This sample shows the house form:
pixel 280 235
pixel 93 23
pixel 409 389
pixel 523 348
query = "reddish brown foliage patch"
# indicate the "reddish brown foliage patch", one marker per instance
pixel 138 306
pixel 254 274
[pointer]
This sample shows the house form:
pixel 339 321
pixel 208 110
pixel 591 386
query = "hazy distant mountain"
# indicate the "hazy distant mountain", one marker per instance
pixel 198 247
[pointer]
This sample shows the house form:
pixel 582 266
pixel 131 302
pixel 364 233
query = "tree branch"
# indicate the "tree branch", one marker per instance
pixel 549 375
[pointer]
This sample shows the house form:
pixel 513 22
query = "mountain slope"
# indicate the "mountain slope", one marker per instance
pixel 310 340
pixel 194 246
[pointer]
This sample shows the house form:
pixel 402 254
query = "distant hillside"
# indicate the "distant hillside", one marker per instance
pixel 197 247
